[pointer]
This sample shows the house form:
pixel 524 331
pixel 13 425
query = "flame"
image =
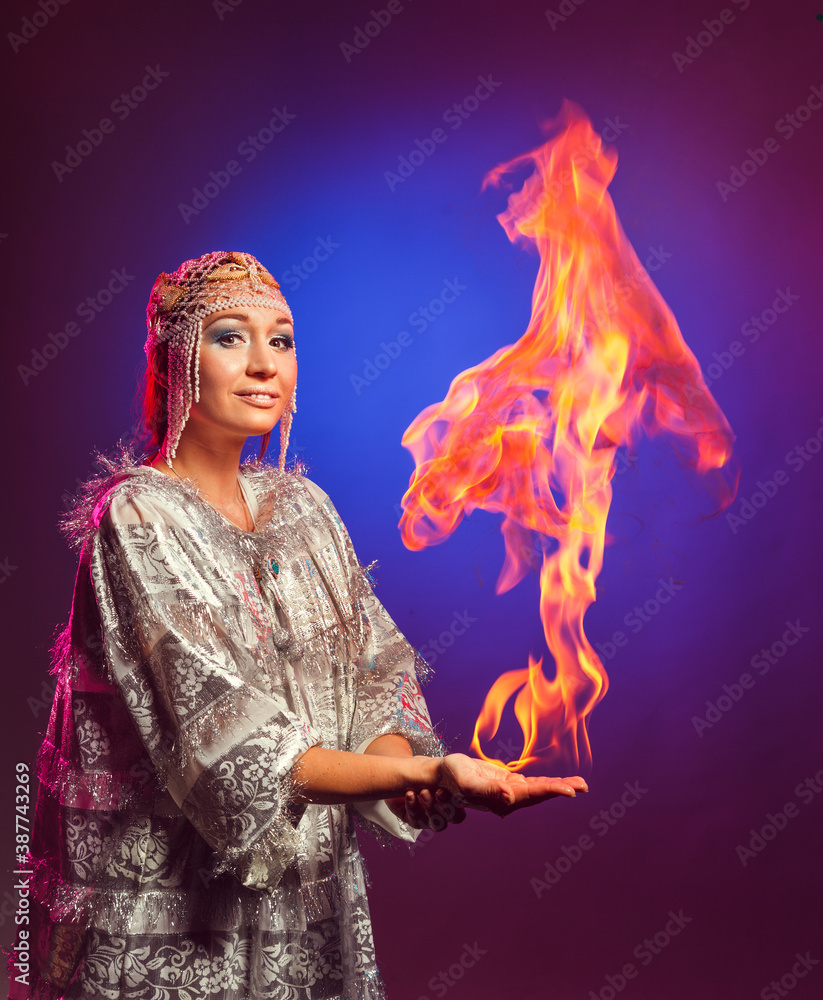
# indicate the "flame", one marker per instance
pixel 532 432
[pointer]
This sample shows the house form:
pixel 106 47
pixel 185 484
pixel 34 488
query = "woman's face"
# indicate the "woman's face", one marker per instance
pixel 248 371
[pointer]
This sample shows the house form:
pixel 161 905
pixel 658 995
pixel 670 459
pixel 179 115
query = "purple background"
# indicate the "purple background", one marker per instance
pixel 322 178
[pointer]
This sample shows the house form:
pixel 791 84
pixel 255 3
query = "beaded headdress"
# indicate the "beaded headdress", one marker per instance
pixel 178 304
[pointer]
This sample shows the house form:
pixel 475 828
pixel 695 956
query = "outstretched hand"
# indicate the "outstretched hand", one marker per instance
pixel 477 784
pixel 469 783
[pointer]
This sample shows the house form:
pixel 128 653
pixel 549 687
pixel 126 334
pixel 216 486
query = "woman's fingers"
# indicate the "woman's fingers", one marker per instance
pixel 553 786
pixel 415 814
pixel 536 789
pixel 426 802
pixel 450 809
pixel 397 807
pixel 432 811
pixel 439 810
pixel 564 786
pixel 419 811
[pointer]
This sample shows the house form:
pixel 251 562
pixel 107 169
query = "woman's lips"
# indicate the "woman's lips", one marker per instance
pixel 263 399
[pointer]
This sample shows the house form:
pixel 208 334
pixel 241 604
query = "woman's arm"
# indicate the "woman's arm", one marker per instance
pixel 336 776
pixel 332 776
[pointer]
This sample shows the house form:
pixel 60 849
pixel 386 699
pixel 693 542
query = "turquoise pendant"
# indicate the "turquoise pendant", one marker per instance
pixel 275 566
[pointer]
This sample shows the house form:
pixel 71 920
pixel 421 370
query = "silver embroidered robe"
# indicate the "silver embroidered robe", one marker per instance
pixel 170 858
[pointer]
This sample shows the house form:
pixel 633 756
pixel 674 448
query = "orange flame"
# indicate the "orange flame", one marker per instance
pixel 532 432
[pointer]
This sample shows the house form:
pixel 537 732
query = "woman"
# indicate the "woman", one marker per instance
pixel 229 692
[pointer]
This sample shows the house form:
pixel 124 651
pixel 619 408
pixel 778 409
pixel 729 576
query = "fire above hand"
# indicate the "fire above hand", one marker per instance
pixel 532 432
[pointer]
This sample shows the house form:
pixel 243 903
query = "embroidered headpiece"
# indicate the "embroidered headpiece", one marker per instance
pixel 178 304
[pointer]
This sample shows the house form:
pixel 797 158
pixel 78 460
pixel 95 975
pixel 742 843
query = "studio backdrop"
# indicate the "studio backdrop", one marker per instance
pixel 345 144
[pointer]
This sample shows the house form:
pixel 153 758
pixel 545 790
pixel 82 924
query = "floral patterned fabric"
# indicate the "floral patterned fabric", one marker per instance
pixel 170 860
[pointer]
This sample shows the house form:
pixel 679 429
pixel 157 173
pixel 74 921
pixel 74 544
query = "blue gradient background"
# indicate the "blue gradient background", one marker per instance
pixel 323 177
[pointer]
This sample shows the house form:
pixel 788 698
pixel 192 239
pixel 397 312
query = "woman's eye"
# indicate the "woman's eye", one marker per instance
pixel 282 343
pixel 229 339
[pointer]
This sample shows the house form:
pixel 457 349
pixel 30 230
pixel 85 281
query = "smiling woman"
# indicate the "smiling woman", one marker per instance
pixel 247 358
pixel 247 379
pixel 230 694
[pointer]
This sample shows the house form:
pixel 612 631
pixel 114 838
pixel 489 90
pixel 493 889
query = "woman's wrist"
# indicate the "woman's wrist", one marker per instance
pixel 423 772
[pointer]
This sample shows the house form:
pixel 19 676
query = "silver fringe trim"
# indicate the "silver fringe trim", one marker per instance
pixel 81 520
pixel 121 913
pixel 110 790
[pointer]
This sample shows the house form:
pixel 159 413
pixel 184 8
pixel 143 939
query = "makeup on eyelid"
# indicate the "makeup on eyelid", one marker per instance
pixel 217 337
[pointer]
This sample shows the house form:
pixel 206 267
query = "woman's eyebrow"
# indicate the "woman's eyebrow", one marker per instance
pixel 241 316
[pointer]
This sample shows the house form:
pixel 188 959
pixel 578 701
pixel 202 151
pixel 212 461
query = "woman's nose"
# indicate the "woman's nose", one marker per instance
pixel 262 357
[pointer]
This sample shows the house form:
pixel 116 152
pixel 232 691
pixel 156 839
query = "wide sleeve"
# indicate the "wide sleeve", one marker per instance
pixel 187 645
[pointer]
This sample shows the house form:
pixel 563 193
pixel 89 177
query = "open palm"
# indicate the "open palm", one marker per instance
pixel 477 784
